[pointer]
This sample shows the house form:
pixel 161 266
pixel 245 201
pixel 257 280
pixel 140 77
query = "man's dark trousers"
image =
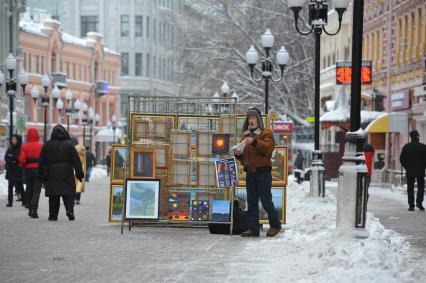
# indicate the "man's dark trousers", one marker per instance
pixel 54 204
pixel 259 186
pixel 420 189
pixel 33 188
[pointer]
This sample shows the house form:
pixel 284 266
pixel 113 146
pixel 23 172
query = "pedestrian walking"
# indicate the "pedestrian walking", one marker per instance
pixel 79 186
pixel 256 159
pixel 90 163
pixel 298 166
pixel 413 159
pixel 29 159
pixel 108 162
pixel 58 161
pixel 14 171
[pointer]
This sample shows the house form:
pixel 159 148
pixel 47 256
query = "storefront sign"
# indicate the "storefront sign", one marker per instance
pixel 400 100
pixel 344 72
pixel 282 127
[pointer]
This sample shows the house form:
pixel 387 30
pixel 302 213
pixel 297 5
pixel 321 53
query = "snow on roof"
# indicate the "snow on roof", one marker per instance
pixel 110 51
pixel 329 104
pixel 68 38
pixel 32 27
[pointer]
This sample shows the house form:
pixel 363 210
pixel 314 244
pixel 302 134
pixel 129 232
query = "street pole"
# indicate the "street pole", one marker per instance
pixel 45 123
pixel 84 134
pixel 317 84
pixel 91 137
pixel 352 188
pixel 266 95
pixel 11 117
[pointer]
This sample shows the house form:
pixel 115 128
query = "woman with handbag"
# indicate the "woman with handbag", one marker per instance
pixel 58 161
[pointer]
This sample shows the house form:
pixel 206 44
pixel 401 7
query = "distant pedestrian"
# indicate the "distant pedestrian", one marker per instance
pixel 58 161
pixel 256 159
pixel 90 163
pixel 79 186
pixel 369 156
pixel 413 159
pixel 298 167
pixel 108 162
pixel 29 159
pixel 14 171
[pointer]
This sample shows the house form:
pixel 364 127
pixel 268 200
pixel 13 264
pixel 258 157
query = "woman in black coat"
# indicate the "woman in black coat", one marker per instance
pixel 58 160
pixel 14 171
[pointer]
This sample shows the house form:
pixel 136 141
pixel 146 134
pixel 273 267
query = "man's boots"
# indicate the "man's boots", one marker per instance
pixel 33 213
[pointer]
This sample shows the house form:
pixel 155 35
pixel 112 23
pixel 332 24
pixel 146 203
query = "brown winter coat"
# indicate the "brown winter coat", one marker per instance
pixel 257 156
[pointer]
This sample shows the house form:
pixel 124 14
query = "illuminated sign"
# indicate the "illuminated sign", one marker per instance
pixel 282 127
pixel 344 73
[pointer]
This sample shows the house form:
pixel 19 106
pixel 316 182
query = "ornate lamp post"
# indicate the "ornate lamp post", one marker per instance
pixel 318 11
pixel 68 98
pixel 11 90
pixel 85 108
pixel 282 59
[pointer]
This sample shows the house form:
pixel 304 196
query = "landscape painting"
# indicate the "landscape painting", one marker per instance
pixel 142 199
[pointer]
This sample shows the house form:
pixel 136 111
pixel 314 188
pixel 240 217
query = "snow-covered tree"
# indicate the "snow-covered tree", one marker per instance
pixel 215 37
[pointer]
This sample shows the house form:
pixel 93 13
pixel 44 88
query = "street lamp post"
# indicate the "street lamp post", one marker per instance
pixel 68 98
pixel 85 108
pixel 318 11
pixel 11 90
pixel 282 59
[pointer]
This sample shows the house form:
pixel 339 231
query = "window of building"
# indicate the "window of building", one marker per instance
pixel 89 23
pixel 147 27
pixel 138 26
pixel 125 25
pixel 148 65
pixel 124 64
pixel 138 64
pixel 124 102
pixel 154 32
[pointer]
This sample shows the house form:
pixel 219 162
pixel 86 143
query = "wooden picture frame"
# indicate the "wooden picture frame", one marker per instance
pixel 142 162
pixel 152 127
pixel 142 199
pixel 118 163
pixel 228 123
pixel 162 155
pixel 116 203
pixel 204 143
pixel 206 174
pixel 181 172
pixel 181 143
pixel 279 166
pixel 279 198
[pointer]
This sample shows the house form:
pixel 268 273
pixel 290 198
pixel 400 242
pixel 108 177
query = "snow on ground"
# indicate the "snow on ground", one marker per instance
pixel 309 249
pixel 97 172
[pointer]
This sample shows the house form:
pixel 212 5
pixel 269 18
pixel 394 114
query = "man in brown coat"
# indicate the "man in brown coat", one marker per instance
pixel 256 159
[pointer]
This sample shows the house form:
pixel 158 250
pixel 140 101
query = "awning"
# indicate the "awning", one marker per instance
pixel 108 135
pixel 389 123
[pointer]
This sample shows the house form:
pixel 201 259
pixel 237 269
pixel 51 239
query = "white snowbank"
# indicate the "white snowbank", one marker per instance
pixel 308 251
pixel 3 184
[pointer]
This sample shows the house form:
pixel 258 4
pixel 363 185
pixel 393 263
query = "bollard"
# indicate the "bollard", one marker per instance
pixel 352 190
pixel 317 181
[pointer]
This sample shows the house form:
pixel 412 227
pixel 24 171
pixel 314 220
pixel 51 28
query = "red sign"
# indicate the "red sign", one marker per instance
pixel 344 73
pixel 282 127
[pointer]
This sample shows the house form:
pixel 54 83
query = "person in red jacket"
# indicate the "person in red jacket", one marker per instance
pixel 28 159
pixel 369 156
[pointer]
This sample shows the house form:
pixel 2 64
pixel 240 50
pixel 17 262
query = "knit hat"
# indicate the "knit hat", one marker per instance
pixel 253 112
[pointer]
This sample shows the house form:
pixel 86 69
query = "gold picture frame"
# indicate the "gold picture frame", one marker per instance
pixel 206 173
pixel 118 163
pixel 181 172
pixel 279 166
pixel 116 203
pixel 197 123
pixel 162 155
pixel 142 162
pixel 181 143
pixel 147 128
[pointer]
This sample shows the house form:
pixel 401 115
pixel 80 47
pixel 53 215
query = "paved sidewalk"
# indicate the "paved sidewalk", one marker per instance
pixel 391 209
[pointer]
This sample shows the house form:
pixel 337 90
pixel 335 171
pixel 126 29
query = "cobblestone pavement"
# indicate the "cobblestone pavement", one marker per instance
pixel 393 214
pixel 90 249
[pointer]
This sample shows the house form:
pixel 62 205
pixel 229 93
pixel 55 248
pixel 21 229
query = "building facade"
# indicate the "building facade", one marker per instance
pixel 394 40
pixel 76 65
pixel 143 31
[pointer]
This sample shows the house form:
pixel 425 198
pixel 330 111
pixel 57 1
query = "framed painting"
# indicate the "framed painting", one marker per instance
pixel 204 143
pixel 161 154
pixel 226 173
pixel 278 198
pixel 141 127
pixel 116 203
pixel 206 174
pixel 279 166
pixel 142 162
pixel 181 172
pixel 142 199
pixel 118 163
pixel 152 127
pixel 181 143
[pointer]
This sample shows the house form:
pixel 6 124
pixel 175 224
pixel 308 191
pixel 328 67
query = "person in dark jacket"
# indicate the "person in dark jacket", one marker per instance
pixel 14 171
pixel 90 163
pixel 108 162
pixel 256 159
pixel 413 159
pixel 29 159
pixel 58 161
pixel 298 166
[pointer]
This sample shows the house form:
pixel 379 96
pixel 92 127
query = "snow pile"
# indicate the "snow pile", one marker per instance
pixel 98 172
pixel 3 184
pixel 308 251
